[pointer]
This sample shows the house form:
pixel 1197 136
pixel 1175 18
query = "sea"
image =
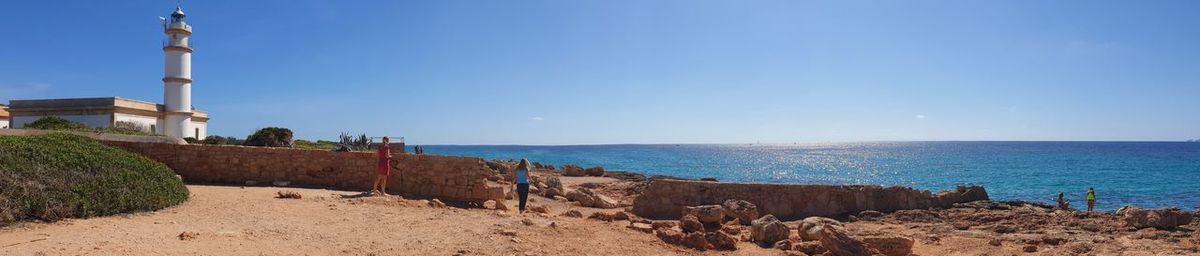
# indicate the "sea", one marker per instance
pixel 1144 174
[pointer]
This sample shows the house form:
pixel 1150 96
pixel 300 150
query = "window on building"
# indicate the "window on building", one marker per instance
pixel 153 130
pixel 197 133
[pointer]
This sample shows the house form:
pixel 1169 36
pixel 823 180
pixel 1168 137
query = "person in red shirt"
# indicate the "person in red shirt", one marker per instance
pixel 384 153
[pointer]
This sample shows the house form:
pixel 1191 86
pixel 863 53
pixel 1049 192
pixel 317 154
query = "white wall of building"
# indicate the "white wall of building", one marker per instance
pixel 104 120
pixel 203 129
pixel 148 122
pixel 4 123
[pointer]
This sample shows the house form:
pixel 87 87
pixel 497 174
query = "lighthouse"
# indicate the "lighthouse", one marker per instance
pixel 177 76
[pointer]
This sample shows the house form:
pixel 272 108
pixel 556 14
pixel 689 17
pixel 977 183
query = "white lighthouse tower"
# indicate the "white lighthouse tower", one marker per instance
pixel 177 77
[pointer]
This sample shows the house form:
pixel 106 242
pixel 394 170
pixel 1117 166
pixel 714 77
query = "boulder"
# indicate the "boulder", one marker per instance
pixel 621 215
pixel 604 202
pixel 490 204
pixel 721 241
pixel 553 193
pixel 870 215
pixel 555 183
pixel 768 230
pixel 742 210
pixel 732 230
pixel 540 209
pixel 602 216
pixel 534 190
pixel 597 171
pixel 706 213
pixel 695 240
pixel 583 196
pixel 1160 218
pixel 890 245
pixel 785 244
pixel 810 228
pixel 571 170
pixel 809 247
pixel 835 239
pixel 689 223
pixel 669 236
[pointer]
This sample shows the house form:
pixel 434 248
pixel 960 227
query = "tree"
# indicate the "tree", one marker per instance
pixel 270 137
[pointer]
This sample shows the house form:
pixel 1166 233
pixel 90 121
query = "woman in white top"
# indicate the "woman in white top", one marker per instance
pixel 522 181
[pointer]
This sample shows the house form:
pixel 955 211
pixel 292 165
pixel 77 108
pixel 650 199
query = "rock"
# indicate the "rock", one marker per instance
pixel 663 224
pixel 508 232
pixel 597 171
pixel 188 235
pixel 553 192
pixel 962 225
pixel 669 236
pixel 706 213
pixel 742 210
pixel 501 206
pixel 721 241
pixel 534 191
pixel 602 216
pixel 643 227
pixel 287 194
pixel 785 244
pixel 1091 227
pixel 436 203
pixel 573 214
pixel 918 215
pixel 689 223
pixel 490 204
pixel 1055 239
pixel 732 230
pixel 995 242
pixel 870 215
pixel 527 222
pixel 584 196
pixel 560 198
pixel 571 170
pixel 809 247
pixel 810 228
pixel 890 245
pixel 540 209
pixel 621 215
pixel 834 239
pixel 1160 218
pixel 768 230
pixel 1029 248
pixel 554 187
pixel 695 240
pixel 1004 229
pixel 605 202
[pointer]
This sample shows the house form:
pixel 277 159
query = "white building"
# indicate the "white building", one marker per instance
pixel 175 118
pixel 3 116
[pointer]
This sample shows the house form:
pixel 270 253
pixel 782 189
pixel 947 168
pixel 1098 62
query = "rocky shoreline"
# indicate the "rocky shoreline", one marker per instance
pixel 958 221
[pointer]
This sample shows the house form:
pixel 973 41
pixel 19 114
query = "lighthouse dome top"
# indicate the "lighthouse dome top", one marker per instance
pixel 178 12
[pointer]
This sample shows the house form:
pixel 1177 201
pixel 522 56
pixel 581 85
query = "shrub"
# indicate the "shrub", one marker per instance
pixel 55 123
pixel 61 124
pixel 270 137
pixel 218 140
pixel 55 176
pixel 362 142
pixel 191 140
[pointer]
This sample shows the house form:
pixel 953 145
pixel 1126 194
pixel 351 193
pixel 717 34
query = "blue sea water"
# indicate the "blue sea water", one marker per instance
pixel 1146 174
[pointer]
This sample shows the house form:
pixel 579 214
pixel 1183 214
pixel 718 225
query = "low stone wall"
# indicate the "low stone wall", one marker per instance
pixel 445 177
pixel 665 199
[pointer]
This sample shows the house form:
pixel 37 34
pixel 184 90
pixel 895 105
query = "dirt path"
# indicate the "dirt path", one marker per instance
pixel 250 221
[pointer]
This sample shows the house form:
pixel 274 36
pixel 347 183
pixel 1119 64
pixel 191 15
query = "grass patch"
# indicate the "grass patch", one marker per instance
pixel 319 144
pixel 54 176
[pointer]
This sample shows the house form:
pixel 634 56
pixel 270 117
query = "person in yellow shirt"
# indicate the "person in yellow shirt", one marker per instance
pixel 1091 198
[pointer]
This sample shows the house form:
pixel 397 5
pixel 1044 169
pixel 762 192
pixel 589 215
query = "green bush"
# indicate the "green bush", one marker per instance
pixel 61 124
pixel 270 137
pixel 55 176
pixel 218 140
pixel 55 123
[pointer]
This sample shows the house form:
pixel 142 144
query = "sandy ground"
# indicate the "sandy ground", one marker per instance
pixel 251 221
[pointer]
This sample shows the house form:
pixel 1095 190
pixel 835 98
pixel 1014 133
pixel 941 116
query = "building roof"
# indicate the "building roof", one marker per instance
pixel 4 111
pixel 117 104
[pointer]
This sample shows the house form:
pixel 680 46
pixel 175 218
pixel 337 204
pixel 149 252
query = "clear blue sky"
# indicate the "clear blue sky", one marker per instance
pixel 597 72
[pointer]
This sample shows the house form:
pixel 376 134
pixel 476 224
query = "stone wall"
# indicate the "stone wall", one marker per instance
pixel 665 199
pixel 444 177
